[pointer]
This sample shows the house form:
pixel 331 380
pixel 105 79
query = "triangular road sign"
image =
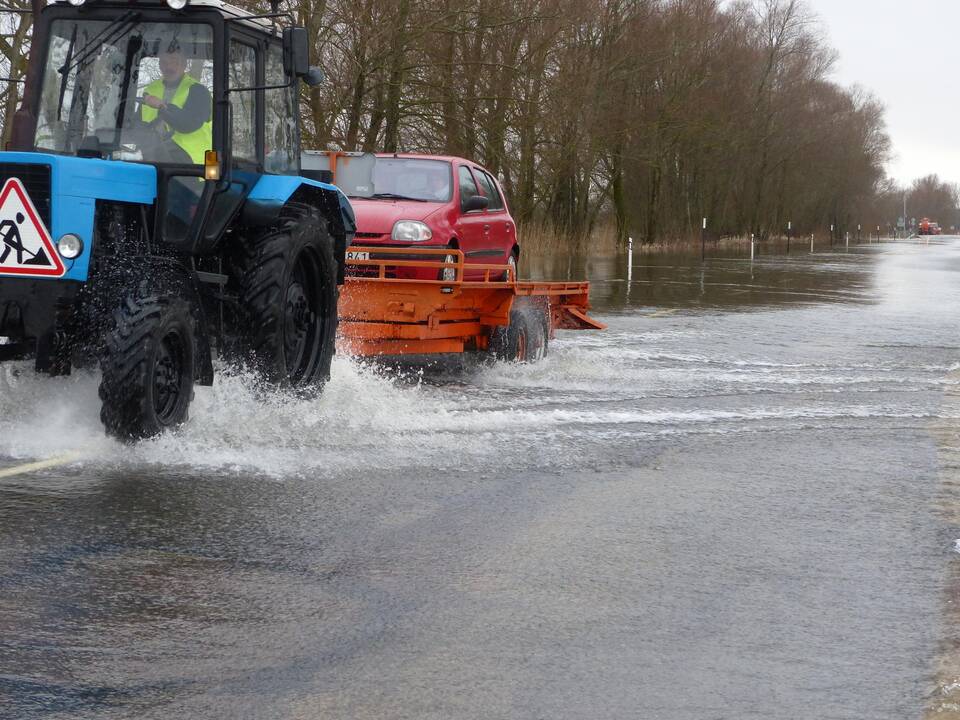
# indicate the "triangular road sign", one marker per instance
pixel 25 245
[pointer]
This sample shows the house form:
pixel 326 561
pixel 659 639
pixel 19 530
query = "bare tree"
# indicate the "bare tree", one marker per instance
pixel 642 114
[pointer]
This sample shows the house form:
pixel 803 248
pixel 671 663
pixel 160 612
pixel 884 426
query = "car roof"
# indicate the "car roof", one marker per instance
pixel 420 156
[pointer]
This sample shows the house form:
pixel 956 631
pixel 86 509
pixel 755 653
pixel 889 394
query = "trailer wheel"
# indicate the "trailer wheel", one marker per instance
pixel 524 339
pixel 288 296
pixel 148 367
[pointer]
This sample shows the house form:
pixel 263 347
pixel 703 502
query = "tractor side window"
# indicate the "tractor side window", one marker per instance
pixel 468 188
pixel 280 131
pixel 243 74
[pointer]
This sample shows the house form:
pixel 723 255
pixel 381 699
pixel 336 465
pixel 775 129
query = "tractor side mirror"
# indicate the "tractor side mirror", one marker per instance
pixel 296 52
pixel 296 57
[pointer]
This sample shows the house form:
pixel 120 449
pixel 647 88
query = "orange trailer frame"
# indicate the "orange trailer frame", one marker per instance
pixel 382 315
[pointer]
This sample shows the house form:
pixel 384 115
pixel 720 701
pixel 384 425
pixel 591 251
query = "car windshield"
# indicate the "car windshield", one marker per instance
pixel 128 89
pixel 396 178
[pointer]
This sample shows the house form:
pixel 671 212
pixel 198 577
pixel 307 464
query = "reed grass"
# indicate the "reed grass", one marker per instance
pixel 537 238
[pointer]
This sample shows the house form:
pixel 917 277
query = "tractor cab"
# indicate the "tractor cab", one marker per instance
pixel 204 93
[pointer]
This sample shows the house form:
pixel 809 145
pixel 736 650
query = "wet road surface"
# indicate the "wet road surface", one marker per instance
pixel 735 503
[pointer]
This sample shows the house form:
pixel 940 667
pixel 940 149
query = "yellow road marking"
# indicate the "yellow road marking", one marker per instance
pixel 39 465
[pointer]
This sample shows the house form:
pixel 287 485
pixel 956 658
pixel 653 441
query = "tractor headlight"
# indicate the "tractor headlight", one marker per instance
pixel 70 246
pixel 177 4
pixel 410 231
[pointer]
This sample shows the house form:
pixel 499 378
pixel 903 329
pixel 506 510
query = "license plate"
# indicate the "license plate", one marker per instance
pixel 357 255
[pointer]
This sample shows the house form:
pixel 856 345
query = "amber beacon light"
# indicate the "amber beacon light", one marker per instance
pixel 211 165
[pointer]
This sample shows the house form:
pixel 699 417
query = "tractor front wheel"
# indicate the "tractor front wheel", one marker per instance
pixel 148 367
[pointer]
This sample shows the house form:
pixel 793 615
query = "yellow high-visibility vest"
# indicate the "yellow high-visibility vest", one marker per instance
pixel 196 143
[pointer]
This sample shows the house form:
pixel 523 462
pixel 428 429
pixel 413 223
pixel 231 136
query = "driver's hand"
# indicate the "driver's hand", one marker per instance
pixel 154 102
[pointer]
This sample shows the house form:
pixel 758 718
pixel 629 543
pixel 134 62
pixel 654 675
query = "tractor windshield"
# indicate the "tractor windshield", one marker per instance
pixel 128 90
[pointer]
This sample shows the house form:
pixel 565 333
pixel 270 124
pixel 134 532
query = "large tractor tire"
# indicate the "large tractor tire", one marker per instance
pixel 525 338
pixel 288 299
pixel 148 365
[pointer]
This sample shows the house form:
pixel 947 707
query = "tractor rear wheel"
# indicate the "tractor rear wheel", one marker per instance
pixel 148 367
pixel 288 298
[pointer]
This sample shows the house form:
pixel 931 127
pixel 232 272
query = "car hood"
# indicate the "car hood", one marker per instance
pixel 379 216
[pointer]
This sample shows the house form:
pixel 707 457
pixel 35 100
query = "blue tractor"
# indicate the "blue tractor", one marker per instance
pixel 153 211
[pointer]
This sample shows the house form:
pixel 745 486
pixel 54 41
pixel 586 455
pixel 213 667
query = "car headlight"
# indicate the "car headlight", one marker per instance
pixel 410 231
pixel 70 246
pixel 177 4
pixel 77 3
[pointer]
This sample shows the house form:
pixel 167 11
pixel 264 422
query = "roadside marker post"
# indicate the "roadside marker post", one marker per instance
pixel 811 243
pixel 751 246
pixel 703 241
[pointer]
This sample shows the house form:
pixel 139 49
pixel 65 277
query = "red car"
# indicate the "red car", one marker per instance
pixel 431 201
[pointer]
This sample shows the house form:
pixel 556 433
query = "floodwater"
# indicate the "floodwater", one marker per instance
pixel 737 502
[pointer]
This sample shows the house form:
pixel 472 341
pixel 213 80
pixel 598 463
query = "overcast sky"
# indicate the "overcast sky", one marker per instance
pixel 906 53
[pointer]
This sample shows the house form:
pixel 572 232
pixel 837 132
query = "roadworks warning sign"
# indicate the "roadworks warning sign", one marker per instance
pixel 25 245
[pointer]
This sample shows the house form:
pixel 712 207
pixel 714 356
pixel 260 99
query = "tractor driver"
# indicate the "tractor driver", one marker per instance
pixel 179 108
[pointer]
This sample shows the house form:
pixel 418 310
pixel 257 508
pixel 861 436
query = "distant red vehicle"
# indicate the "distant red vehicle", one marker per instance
pixel 928 227
pixel 431 201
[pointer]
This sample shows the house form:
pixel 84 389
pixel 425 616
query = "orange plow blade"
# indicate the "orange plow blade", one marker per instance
pixel 381 314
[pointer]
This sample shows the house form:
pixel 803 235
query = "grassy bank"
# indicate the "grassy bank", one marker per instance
pixel 544 239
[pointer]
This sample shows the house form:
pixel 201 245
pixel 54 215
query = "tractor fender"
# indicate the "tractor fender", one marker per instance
pixel 274 192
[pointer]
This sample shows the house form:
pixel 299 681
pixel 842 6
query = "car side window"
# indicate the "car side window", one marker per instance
pixel 468 188
pixel 489 188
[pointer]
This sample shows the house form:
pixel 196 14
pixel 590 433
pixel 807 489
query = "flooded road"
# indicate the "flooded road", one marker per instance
pixel 734 503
